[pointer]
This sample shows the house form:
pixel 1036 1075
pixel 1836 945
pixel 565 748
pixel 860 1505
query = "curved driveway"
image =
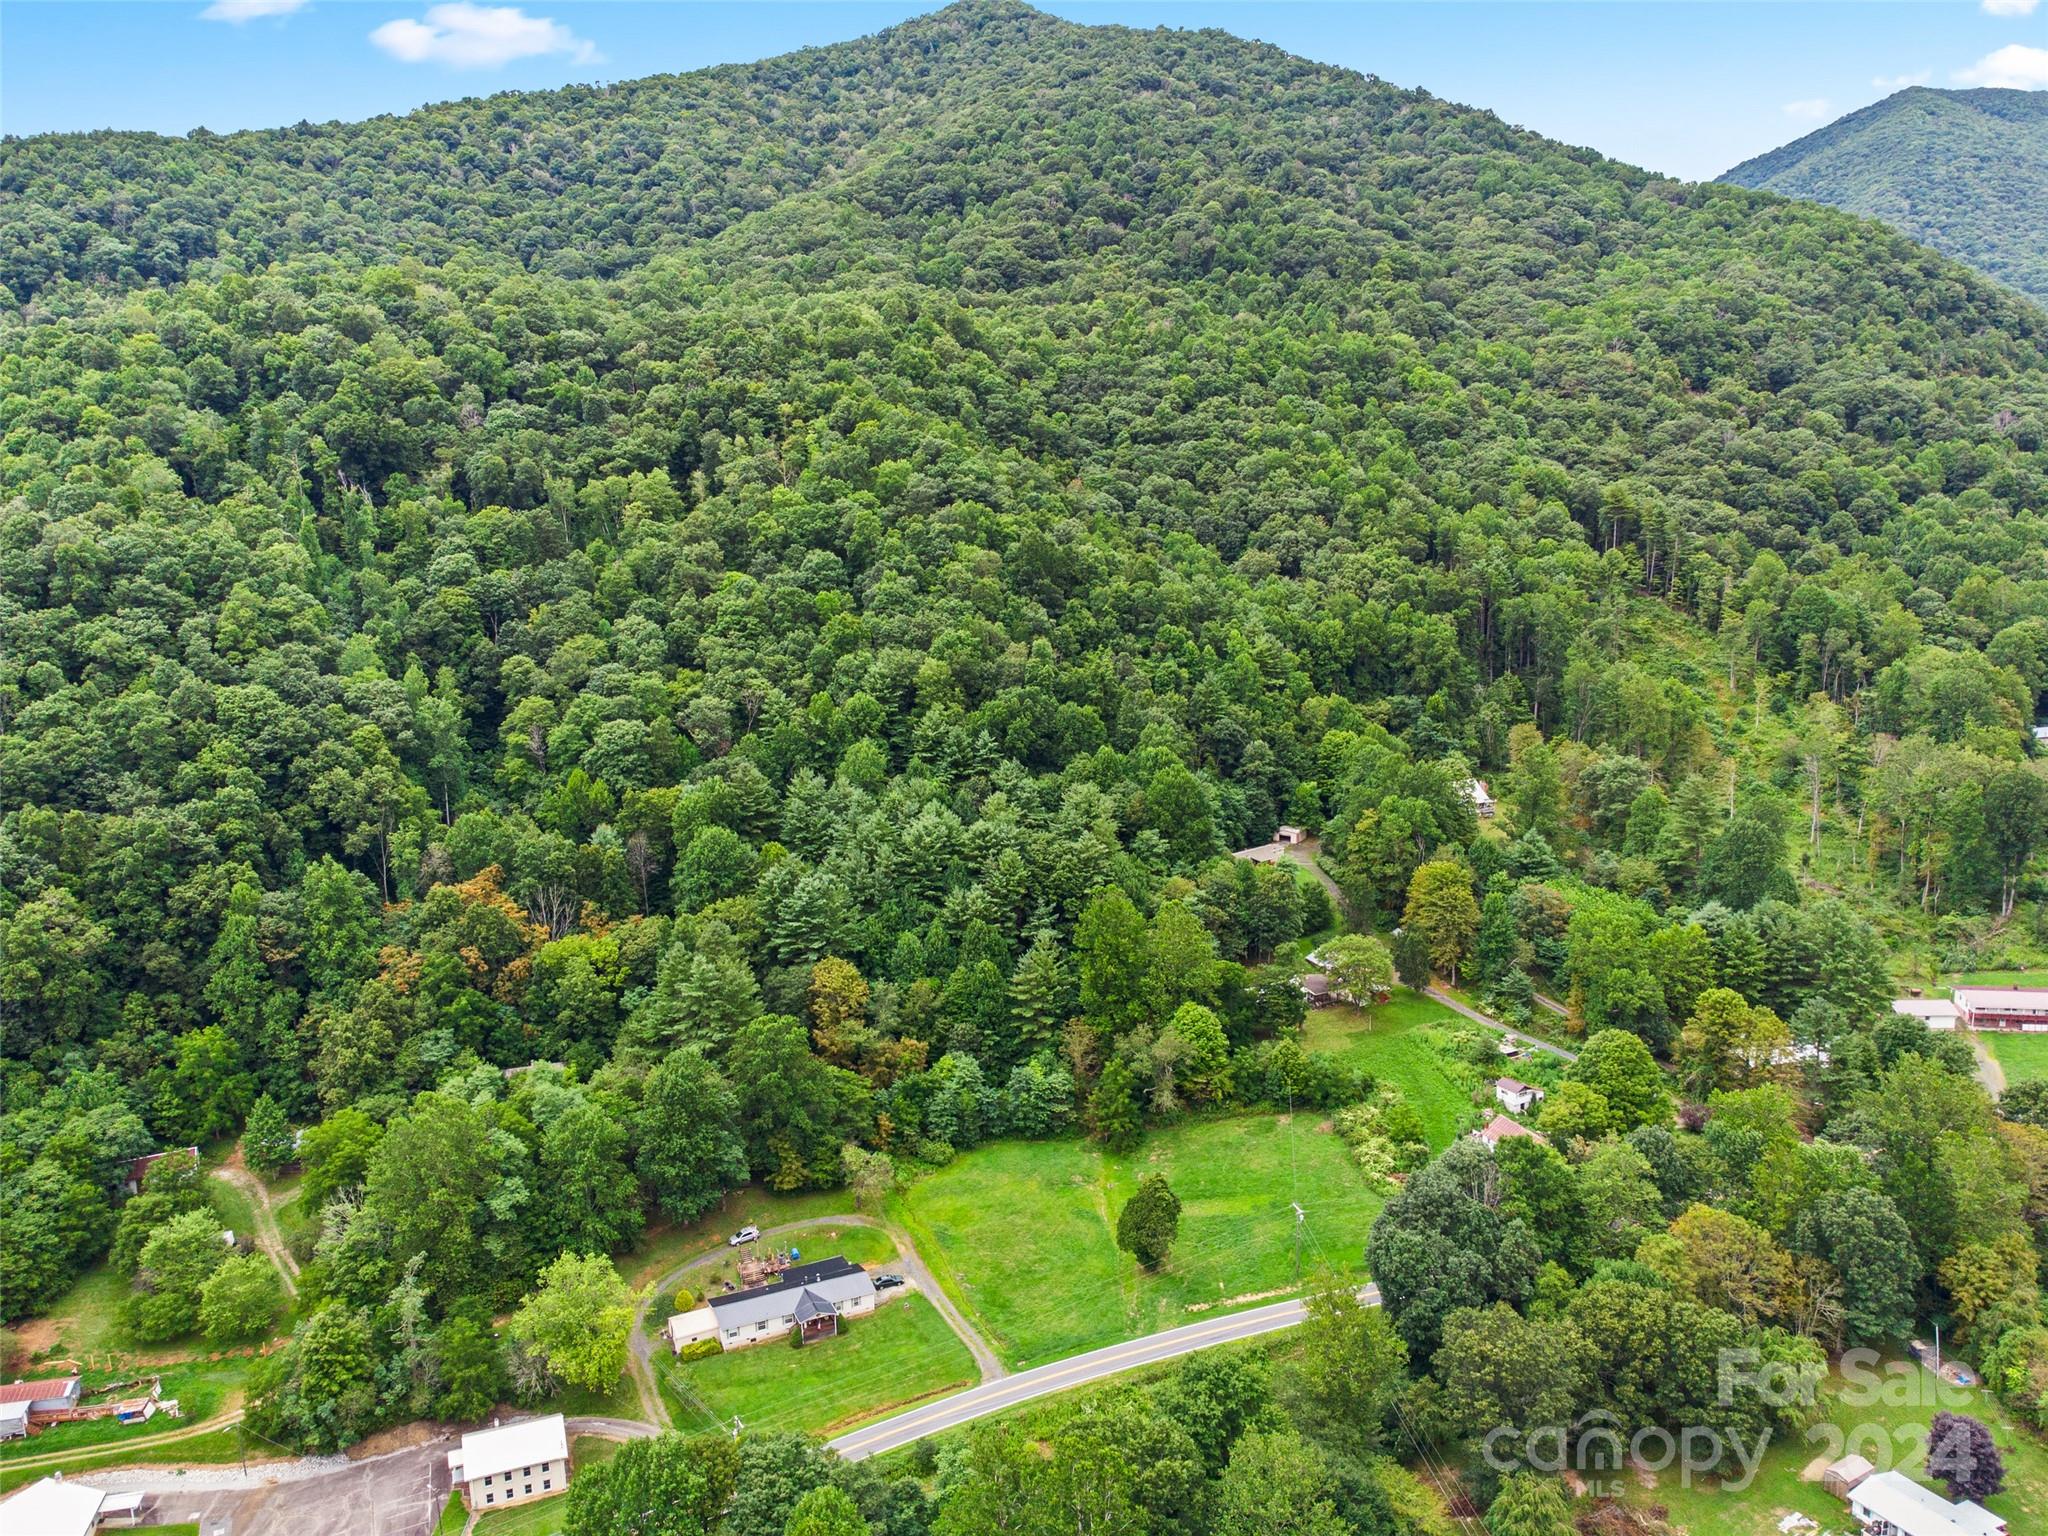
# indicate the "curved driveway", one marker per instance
pixel 1075 1371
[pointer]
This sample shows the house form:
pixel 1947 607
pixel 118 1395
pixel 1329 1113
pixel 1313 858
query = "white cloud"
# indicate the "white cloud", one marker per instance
pixel 2010 7
pixel 1900 82
pixel 2015 67
pixel 466 36
pixel 239 11
pixel 1814 109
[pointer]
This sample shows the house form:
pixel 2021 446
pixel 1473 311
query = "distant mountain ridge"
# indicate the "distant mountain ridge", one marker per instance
pixel 1963 171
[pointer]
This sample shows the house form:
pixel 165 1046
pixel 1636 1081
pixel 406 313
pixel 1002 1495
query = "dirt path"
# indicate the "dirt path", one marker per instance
pixel 1989 1072
pixel 268 1235
pixel 641 1360
pixel 1304 853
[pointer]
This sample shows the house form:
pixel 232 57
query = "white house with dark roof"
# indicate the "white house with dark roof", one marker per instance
pixel 801 1297
pixel 513 1463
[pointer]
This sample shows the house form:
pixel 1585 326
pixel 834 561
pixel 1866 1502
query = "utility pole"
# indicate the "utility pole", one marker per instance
pixel 1300 1217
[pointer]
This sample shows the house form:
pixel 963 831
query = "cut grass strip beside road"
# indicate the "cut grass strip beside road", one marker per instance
pixel 900 1354
pixel 1023 1234
pixel 216 1447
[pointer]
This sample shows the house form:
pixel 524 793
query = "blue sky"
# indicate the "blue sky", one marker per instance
pixel 1686 88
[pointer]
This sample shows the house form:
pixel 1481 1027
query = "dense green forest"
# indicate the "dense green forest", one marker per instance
pixel 777 590
pixel 1965 171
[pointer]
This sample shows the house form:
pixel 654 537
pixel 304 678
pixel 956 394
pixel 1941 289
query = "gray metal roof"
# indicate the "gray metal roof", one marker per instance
pixel 770 1302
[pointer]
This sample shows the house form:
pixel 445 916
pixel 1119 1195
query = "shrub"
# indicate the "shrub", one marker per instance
pixel 699 1349
pixel 685 1299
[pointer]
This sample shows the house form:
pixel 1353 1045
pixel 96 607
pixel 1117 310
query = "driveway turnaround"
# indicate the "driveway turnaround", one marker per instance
pixel 1064 1375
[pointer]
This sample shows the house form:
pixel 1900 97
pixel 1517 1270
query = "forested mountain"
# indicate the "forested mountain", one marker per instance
pixel 777 589
pixel 1964 171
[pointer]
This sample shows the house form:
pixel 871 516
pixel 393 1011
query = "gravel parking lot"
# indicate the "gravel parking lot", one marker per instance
pixel 399 1494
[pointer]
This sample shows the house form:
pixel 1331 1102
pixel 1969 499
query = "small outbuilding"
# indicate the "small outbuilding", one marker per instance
pixel 1287 837
pixel 1934 1012
pixel 692 1328
pixel 1482 800
pixel 1316 989
pixel 1843 1475
pixel 28 1405
pixel 1515 1095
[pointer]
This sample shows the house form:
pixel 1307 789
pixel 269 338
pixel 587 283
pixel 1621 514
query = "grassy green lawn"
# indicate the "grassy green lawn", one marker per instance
pixel 2021 1057
pixel 1999 979
pixel 900 1354
pixel 1023 1234
pixel 543 1517
pixel 212 1449
pixel 1405 1042
pixel 201 1389
pixel 1889 1431
pixel 620 1401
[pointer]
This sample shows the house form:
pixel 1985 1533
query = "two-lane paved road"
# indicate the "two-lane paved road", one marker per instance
pixel 1064 1375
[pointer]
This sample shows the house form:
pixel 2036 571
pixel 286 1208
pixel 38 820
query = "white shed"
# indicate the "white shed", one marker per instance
pixel 691 1328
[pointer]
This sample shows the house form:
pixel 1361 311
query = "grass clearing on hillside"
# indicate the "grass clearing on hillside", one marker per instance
pixel 901 1353
pixel 2022 1058
pixel 1890 1431
pixel 1405 1042
pixel 1023 1234
pixel 201 1388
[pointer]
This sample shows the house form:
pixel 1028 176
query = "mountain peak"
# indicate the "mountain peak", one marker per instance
pixel 1965 171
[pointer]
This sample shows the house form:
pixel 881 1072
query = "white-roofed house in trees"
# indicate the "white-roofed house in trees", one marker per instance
pixel 513 1463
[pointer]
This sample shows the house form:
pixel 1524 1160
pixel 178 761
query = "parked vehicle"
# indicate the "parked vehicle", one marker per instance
pixel 887 1282
pixel 744 1235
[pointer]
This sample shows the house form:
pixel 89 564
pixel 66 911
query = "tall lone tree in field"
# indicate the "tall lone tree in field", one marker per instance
pixel 1961 1452
pixel 1149 1222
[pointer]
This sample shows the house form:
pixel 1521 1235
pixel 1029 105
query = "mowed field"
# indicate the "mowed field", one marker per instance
pixel 1887 1423
pixel 900 1354
pixel 1405 1042
pixel 1023 1234
pixel 2023 1058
